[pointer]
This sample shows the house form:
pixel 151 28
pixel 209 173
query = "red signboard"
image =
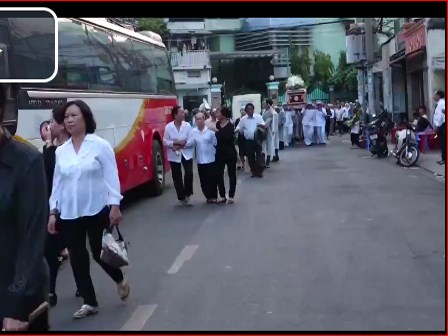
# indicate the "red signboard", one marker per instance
pixel 415 38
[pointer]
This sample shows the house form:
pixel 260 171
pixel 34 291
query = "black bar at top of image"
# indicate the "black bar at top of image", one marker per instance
pixel 26 14
pixel 276 8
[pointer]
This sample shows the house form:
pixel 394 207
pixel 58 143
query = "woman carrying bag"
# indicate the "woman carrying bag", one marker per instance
pixel 86 197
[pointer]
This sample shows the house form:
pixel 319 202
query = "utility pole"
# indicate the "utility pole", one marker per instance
pixel 370 58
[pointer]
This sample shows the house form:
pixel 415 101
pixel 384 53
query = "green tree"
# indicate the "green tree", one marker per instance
pixel 346 75
pixel 300 63
pixel 323 69
pixel 155 25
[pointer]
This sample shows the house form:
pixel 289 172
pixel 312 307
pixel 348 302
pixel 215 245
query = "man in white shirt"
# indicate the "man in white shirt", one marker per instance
pixel 321 119
pixel 205 145
pixel 439 123
pixel 248 127
pixel 180 153
pixel 339 112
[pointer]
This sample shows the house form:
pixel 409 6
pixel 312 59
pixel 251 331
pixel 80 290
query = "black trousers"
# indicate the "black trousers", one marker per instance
pixel 184 187
pixel 231 171
pixel 340 125
pixel 53 248
pixel 355 139
pixel 441 133
pixel 77 231
pixel 255 158
pixel 208 178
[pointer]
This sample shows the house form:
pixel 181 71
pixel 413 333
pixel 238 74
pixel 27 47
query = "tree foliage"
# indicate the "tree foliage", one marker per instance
pixel 346 75
pixel 155 25
pixel 323 69
pixel 300 63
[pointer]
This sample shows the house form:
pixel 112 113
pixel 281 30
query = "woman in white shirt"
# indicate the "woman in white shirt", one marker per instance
pixel 205 142
pixel 180 153
pixel 86 197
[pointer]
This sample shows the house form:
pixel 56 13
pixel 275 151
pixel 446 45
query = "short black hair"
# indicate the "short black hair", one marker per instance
pixel 249 105
pixel 86 112
pixel 423 107
pixel 226 112
pixel 441 94
pixel 269 101
pixel 58 114
pixel 175 110
pixel 42 124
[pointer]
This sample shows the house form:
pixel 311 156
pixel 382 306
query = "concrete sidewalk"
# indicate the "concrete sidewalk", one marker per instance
pixel 428 161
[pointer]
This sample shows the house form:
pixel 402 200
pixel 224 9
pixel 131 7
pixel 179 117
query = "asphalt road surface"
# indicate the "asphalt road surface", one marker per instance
pixel 330 239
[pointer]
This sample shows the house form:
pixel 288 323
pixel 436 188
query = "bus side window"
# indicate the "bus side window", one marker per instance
pixel 102 69
pixel 165 80
pixel 74 56
pixel 147 72
pixel 123 54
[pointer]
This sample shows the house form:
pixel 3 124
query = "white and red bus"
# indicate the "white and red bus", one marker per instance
pixel 124 76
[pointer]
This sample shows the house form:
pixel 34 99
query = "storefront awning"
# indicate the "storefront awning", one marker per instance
pixel 243 54
pixel 438 62
pixel 397 57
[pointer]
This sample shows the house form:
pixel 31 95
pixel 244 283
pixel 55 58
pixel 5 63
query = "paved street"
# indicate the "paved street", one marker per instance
pixel 330 239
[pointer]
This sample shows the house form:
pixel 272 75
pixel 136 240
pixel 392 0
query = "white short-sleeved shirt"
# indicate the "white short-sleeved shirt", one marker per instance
pixel 248 126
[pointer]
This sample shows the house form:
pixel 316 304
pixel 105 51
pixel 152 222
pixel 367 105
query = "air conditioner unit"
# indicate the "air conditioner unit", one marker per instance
pixel 356 47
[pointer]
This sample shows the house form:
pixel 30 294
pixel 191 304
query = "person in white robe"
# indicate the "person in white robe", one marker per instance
pixel 281 127
pixel 288 127
pixel 275 134
pixel 308 114
pixel 321 119
pixel 268 148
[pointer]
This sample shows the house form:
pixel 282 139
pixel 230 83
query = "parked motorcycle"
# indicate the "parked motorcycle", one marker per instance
pixel 406 150
pixel 377 132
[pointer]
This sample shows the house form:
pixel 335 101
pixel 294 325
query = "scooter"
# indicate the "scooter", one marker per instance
pixel 377 132
pixel 406 150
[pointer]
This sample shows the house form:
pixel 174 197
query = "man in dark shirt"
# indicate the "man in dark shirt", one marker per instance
pixel 422 120
pixel 23 226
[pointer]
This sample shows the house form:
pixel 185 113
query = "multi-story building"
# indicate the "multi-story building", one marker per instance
pixel 412 66
pixel 190 60
pixel 244 53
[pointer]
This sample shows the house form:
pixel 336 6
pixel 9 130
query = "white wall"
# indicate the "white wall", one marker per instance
pixel 435 46
pixel 181 78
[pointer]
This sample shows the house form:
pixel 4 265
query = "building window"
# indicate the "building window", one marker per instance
pixel 194 74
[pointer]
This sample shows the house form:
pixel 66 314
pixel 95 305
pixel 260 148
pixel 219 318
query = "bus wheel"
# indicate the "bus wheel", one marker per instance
pixel 158 172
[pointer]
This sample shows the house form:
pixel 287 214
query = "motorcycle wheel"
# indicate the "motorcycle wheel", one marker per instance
pixel 411 159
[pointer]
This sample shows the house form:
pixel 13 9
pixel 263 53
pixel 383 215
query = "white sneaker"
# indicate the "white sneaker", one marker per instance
pixel 85 311
pixel 230 200
pixel 123 290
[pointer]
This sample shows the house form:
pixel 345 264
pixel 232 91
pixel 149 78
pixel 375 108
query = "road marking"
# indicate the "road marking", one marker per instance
pixel 185 255
pixel 139 318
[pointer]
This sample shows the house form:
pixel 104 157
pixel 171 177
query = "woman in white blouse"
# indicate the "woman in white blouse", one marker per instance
pixel 205 142
pixel 180 153
pixel 86 196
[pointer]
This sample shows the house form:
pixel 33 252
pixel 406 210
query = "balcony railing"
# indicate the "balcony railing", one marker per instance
pixel 190 58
